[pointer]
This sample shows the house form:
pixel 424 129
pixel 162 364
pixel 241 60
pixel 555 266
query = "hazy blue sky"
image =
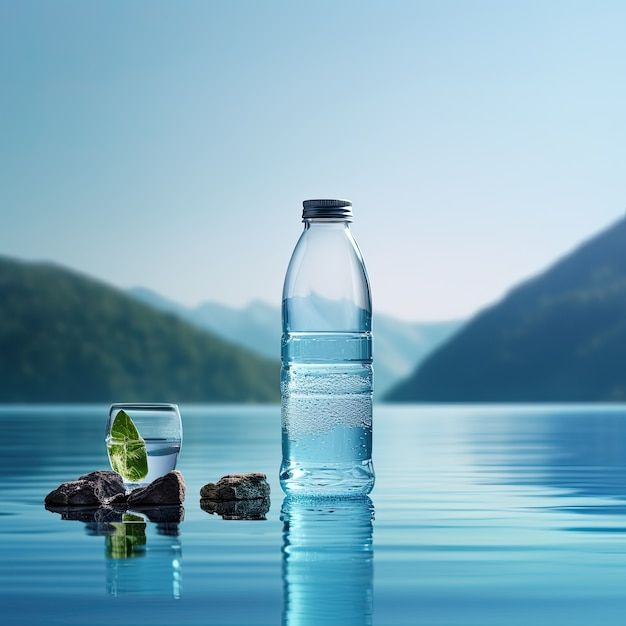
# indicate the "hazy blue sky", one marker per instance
pixel 170 144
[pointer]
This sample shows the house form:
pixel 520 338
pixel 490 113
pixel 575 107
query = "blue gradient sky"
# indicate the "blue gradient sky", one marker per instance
pixel 170 144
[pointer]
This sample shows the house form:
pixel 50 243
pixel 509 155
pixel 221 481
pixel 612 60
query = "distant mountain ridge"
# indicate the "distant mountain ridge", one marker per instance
pixel 560 336
pixel 66 337
pixel 398 345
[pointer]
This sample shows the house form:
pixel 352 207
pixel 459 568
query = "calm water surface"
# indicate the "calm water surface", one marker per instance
pixel 480 516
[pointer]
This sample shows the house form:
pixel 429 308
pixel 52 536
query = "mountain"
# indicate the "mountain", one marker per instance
pixel 65 337
pixel 256 327
pixel 398 346
pixel 558 337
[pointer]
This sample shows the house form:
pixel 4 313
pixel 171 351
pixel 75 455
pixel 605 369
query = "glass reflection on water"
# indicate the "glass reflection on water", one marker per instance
pixel 136 564
pixel 327 561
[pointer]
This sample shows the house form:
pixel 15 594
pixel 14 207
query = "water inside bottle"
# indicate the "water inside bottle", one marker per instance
pixel 326 389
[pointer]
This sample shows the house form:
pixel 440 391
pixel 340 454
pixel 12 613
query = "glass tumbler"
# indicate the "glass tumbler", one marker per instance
pixel 143 441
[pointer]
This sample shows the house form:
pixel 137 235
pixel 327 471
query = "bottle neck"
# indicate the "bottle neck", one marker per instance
pixel 326 224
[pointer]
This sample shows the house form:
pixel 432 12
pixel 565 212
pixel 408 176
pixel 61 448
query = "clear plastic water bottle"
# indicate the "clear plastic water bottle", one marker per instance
pixel 326 375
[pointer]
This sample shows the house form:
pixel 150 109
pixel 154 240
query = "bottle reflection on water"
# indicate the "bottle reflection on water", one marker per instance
pixel 138 565
pixel 327 561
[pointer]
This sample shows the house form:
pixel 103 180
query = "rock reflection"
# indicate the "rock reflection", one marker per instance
pixel 327 561
pixel 237 509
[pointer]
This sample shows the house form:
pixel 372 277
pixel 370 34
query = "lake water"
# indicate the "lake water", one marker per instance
pixel 480 516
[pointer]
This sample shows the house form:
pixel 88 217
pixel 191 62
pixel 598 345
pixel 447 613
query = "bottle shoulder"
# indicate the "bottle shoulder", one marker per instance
pixel 326 287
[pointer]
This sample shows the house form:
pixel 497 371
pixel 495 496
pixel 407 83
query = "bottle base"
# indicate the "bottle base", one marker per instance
pixel 331 480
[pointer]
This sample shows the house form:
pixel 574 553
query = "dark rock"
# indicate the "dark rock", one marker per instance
pixel 165 490
pixel 75 493
pixel 118 499
pixel 237 509
pixel 108 483
pixel 250 486
pixel 89 490
pixel 99 499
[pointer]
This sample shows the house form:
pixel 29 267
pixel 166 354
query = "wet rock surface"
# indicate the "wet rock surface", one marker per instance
pixel 119 499
pixel 108 483
pixel 104 490
pixel 237 509
pixel 164 491
pixel 251 486
pixel 89 490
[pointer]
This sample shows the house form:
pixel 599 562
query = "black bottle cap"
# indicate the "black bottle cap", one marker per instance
pixel 327 209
